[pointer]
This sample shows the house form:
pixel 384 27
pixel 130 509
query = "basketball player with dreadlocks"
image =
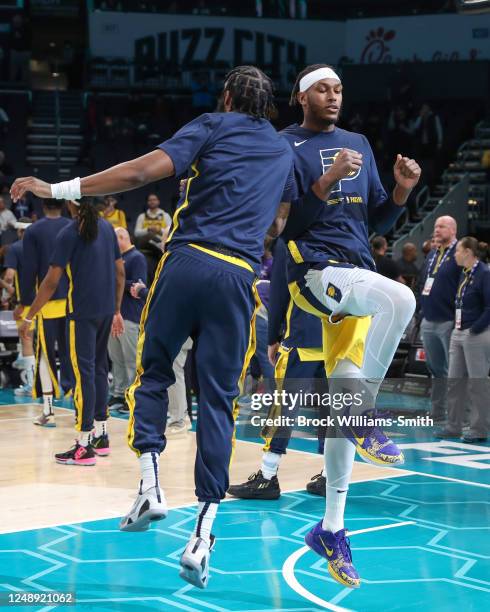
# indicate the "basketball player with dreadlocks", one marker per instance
pixel 331 274
pixel 239 169
pixel 87 249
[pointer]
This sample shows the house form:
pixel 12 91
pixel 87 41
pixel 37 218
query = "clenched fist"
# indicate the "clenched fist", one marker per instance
pixel 407 172
pixel 347 163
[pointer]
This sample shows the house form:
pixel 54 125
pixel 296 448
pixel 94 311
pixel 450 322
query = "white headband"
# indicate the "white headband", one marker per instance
pixel 317 75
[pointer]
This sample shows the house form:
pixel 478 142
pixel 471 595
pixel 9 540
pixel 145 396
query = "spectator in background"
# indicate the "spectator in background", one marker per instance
pixel 151 230
pixel 154 222
pixel 427 247
pixel 112 214
pixel 20 49
pixel 7 217
pixel 384 265
pixel 122 349
pixel 24 208
pixel 407 266
pixel 439 280
pixel 469 352
pixel 428 141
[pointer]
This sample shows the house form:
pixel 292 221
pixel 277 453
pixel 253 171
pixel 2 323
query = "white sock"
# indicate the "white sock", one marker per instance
pixel 48 404
pixel 46 383
pixel 100 428
pixel 84 438
pixel 30 364
pixel 334 515
pixel 270 464
pixel 205 518
pixel 324 474
pixel 339 460
pixel 149 463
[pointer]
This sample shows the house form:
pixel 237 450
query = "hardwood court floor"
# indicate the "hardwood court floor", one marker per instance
pixel 40 492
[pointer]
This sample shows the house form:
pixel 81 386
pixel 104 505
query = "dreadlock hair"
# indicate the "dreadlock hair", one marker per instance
pixel 251 91
pixel 88 219
pixel 293 100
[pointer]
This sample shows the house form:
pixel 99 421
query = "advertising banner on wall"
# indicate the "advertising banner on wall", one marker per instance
pixel 428 38
pixel 187 39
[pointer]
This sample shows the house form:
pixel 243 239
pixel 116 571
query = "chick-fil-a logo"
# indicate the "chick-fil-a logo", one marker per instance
pixel 377 49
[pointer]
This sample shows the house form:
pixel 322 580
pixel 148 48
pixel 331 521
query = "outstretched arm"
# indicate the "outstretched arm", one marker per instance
pixel 129 175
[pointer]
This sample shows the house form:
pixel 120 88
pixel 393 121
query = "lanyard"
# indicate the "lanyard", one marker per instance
pixel 468 275
pixel 441 258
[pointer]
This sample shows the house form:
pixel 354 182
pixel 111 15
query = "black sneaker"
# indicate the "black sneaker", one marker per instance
pixel 101 445
pixel 317 485
pixel 78 455
pixel 257 487
pixel 115 401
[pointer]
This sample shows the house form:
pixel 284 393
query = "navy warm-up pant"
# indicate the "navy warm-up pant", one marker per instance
pixel 296 371
pixel 88 340
pixel 52 332
pixel 212 298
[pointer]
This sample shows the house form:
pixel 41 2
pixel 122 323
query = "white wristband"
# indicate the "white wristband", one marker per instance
pixel 66 190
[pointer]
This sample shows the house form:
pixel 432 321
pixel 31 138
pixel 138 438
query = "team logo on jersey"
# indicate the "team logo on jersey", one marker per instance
pixel 334 292
pixel 327 157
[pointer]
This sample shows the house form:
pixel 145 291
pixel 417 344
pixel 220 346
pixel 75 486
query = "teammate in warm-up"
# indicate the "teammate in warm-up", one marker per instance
pixel 331 274
pixel 39 241
pixel 14 271
pixel 87 250
pixel 239 170
pixel 295 338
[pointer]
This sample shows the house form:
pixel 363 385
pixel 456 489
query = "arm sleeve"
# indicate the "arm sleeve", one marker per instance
pixel 139 231
pixel 279 293
pixel 30 271
pixel 483 320
pixel 187 144
pixel 383 213
pixel 168 219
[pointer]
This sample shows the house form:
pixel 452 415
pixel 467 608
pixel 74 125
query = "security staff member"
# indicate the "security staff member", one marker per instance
pixel 441 274
pixel 469 351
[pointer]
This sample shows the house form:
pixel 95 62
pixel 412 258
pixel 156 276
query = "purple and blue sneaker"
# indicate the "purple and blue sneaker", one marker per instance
pixel 372 445
pixel 335 548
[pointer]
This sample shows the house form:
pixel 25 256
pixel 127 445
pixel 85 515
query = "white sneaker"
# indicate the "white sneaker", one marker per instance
pixel 45 420
pixel 176 430
pixel 149 506
pixel 195 562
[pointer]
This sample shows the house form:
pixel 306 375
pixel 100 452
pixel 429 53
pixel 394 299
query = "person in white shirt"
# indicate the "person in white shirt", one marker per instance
pixel 7 217
pixel 154 223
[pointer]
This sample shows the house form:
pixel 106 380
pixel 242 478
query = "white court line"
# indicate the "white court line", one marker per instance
pixel 292 581
pixel 466 482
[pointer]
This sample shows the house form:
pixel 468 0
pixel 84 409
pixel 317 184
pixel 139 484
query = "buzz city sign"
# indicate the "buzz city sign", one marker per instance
pixel 188 40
